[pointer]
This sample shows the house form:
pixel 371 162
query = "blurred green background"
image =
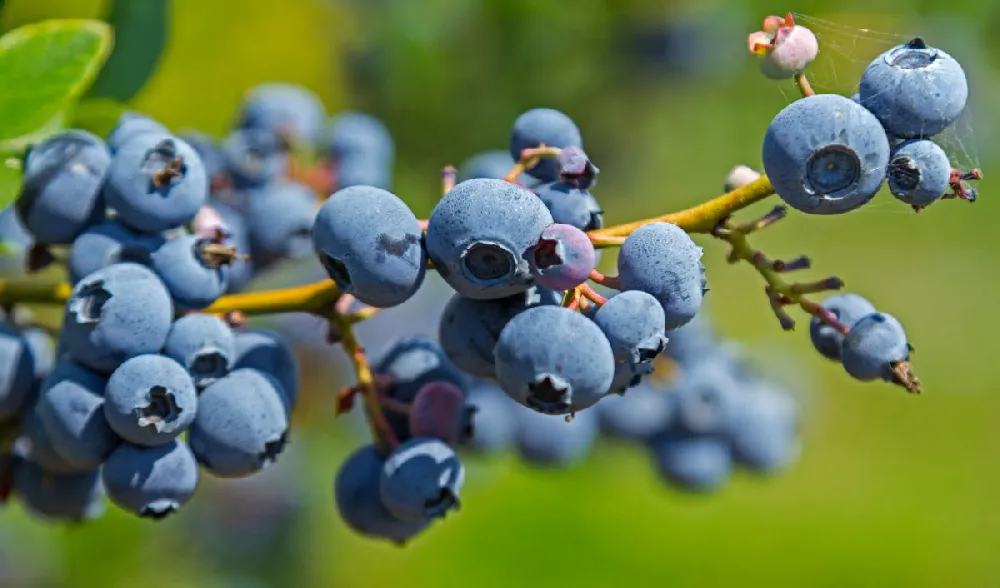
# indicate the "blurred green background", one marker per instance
pixel 892 490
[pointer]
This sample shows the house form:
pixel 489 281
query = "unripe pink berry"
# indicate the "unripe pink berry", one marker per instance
pixel 794 49
pixel 208 223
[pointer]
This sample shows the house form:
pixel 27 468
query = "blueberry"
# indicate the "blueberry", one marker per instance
pixel 115 313
pixel 469 328
pixel 369 241
pixel 494 422
pixel 255 157
pixel 151 482
pixel 848 309
pixel 563 258
pixel 15 241
pixel 156 182
pixel 438 412
pixel 495 164
pixel 70 498
pixel 764 435
pixel 210 152
pixel 914 89
pixel 61 186
pixel 194 276
pixel 639 414
pixel 107 243
pixel 837 166
pixel 478 234
pixel 546 440
pixel 71 409
pixel 633 321
pixel 356 491
pixel 17 371
pixel 694 463
pixel 42 350
pixel 150 400
pixel 554 360
pixel 241 424
pixel 290 110
pixel 874 346
pixel 204 344
pixel 571 206
pixel 131 125
pixel 353 133
pixel 267 352
pixel 238 236
pixel 361 169
pixel 546 126
pixel 694 340
pixel 34 444
pixel 708 396
pixel 919 172
pixel 662 260
pixel 421 479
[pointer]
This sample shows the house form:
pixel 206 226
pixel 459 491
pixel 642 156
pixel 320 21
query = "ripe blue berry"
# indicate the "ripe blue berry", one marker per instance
pixel 874 346
pixel 360 169
pixel 193 273
pixel 131 125
pixel 571 206
pixel 695 463
pixel 639 414
pixel 34 444
pixel 17 371
pixel 156 182
pixel 71 498
pixel 707 397
pixel 241 424
pixel 369 241
pixel 42 350
pixel 438 412
pixel 494 423
pixel 238 236
pixel 71 409
pixel 837 166
pixel 493 164
pixel 848 308
pixel 210 152
pixel 478 234
pixel 108 243
pixel 151 482
pixel 633 321
pixel 421 479
pixel 914 89
pixel 14 239
pixel 267 352
pixel 61 186
pixel 662 260
pixel 255 157
pixel 764 435
pixel 353 133
pixel 546 440
pixel 280 219
pixel 115 313
pixel 543 126
pixel 150 400
pixel 554 360
pixel 469 329
pixel 289 110
pixel 919 172
pixel 204 344
pixel 693 340
pixel 356 491
pixel 563 258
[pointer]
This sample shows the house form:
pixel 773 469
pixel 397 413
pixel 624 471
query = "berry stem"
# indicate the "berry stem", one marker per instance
pixel 449 175
pixel 606 281
pixel 804 86
pixel 591 295
pixel 529 159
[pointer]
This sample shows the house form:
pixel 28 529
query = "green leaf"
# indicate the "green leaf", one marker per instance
pixel 10 180
pixel 97 115
pixel 140 36
pixel 45 67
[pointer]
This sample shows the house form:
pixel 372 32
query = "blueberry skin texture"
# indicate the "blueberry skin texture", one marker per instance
pixel 835 167
pixel 151 482
pixel 204 344
pixel 874 344
pixel 764 436
pixel 494 423
pixel 633 321
pixel 554 360
pixel 61 190
pixel 919 172
pixel 34 444
pixel 915 90
pixel 131 190
pixel 421 479
pixel 848 308
pixel 571 206
pixel 255 158
pixel 17 371
pixel 694 463
pixel 107 243
pixel 115 313
pixel 356 493
pixel 469 329
pixel 358 134
pixel 150 400
pixel 267 352
pixel 369 241
pixel 193 283
pixel 543 126
pixel 548 441
pixel 662 260
pixel 287 109
pixel 71 498
pixel 71 408
pixel 241 424
pixel 478 233
pixel 131 125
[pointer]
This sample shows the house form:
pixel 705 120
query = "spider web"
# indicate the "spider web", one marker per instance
pixel 846 50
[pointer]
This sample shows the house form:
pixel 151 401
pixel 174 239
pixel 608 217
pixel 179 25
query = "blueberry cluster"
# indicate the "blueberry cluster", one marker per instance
pixel 884 134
